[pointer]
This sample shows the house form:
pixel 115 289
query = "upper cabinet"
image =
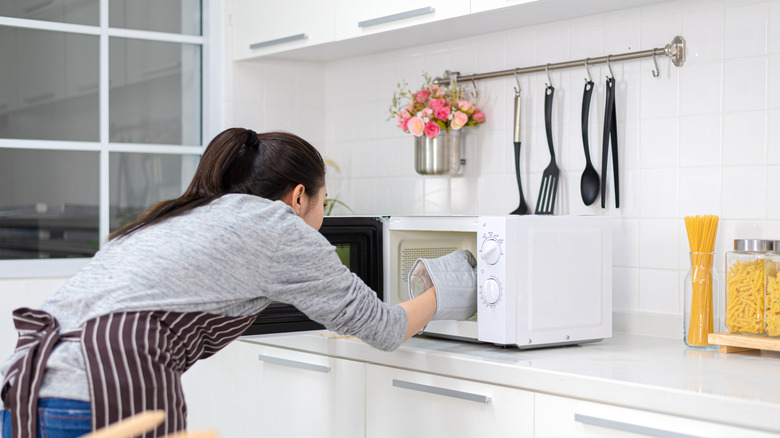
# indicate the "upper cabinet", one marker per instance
pixel 325 30
pixel 263 27
pixel 356 18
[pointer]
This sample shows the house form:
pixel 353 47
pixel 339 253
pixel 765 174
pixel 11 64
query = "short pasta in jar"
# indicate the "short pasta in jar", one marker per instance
pixel 745 297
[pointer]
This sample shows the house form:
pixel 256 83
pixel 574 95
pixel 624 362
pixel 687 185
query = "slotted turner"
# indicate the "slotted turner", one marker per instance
pixel 545 202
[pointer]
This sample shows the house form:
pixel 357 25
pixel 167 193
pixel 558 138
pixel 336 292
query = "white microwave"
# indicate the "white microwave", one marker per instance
pixel 542 280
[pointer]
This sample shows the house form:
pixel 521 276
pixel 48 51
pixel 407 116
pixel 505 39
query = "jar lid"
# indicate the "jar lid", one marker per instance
pixel 754 245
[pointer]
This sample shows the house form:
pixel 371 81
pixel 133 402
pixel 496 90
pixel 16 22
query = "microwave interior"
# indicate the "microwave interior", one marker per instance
pixel 406 246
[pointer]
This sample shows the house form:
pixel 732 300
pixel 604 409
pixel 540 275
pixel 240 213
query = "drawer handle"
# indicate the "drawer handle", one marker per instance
pixel 294 364
pixel 396 17
pixel 628 427
pixel 300 36
pixel 441 391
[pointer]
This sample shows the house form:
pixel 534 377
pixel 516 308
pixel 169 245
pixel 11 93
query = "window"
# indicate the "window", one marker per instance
pixel 101 116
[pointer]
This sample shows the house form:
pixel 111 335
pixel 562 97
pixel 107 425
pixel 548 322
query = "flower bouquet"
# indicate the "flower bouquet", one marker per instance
pixel 433 108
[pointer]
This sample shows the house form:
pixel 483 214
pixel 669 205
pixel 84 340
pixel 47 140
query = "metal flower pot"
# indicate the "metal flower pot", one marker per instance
pixel 442 155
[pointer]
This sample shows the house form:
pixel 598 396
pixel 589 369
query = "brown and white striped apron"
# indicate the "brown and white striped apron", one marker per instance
pixel 134 363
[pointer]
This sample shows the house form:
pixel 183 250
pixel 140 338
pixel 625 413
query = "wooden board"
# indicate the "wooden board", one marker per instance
pixel 733 343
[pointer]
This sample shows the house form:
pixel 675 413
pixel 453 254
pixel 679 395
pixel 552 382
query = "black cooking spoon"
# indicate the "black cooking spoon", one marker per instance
pixel 589 183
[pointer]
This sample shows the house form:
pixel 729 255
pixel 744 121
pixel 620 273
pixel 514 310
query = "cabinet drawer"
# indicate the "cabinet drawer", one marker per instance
pixel 293 394
pixel 561 416
pixel 407 403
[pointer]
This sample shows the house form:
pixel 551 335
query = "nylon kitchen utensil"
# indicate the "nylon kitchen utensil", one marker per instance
pixel 545 202
pixel 610 133
pixel 589 183
pixel 522 208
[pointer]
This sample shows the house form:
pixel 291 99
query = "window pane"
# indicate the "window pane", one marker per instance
pixel 139 181
pixel 50 85
pixel 155 94
pixel 48 203
pixel 65 11
pixel 173 16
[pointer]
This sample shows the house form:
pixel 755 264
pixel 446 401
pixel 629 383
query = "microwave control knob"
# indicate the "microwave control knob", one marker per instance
pixel 491 291
pixel 490 251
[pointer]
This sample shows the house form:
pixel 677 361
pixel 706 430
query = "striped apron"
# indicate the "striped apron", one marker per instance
pixel 134 362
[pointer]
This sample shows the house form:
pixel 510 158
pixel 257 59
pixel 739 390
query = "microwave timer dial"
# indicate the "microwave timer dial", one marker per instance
pixel 490 251
pixel 491 291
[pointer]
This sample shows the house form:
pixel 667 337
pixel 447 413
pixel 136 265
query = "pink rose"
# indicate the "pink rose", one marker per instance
pixel 432 129
pixel 422 96
pixel 478 116
pixel 405 114
pixel 416 126
pixel 427 112
pixel 436 104
pixel 442 113
pixel 459 120
pixel 466 106
pixel 405 124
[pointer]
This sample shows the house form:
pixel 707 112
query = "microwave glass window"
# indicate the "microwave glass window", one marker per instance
pixel 45 211
pixel 155 92
pixel 62 11
pixel 343 250
pixel 50 85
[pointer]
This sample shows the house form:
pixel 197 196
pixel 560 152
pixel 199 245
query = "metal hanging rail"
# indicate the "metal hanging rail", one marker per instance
pixel 674 50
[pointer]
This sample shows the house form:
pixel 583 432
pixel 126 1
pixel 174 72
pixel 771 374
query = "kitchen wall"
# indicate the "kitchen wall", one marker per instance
pixel 699 139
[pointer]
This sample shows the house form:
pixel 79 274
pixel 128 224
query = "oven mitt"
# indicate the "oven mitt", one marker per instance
pixel 455 278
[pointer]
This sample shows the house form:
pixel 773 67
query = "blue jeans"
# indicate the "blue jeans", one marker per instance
pixel 57 418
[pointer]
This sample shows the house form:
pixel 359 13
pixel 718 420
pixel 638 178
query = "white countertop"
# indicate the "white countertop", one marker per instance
pixel 653 374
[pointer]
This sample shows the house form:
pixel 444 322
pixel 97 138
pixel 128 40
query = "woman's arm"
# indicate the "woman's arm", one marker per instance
pixel 419 312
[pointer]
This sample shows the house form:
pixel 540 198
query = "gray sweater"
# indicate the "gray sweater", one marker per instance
pixel 231 257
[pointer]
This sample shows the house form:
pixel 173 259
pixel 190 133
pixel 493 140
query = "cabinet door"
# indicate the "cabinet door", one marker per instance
pixel 262 27
pixel 404 403
pixel 8 71
pixel 561 416
pixel 211 390
pixel 358 17
pixel 291 394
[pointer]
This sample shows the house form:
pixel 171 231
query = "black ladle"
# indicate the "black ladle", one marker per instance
pixel 589 183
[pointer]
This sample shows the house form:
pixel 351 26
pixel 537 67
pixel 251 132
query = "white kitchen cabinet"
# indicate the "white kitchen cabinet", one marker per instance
pixel 263 27
pixel 82 71
pixel 572 418
pixel 356 18
pixel 291 394
pixel 403 403
pixel 487 5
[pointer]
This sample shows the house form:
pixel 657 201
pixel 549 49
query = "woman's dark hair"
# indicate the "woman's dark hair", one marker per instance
pixel 241 161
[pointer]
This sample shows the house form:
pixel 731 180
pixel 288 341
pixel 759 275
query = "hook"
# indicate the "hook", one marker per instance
pixel 612 75
pixel 656 72
pixel 587 67
pixel 547 69
pixel 475 93
pixel 517 88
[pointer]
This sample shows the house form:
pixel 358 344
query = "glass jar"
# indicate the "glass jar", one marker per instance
pixel 772 291
pixel 745 286
pixel 701 308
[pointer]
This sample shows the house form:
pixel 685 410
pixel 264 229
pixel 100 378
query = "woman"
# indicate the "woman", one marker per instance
pixel 187 278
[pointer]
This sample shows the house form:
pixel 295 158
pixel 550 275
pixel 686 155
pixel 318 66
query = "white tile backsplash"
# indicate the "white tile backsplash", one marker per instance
pixel 703 138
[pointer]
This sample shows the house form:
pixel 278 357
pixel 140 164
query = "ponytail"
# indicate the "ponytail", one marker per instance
pixel 242 161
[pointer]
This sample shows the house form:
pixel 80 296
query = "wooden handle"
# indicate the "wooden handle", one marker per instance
pixel 131 426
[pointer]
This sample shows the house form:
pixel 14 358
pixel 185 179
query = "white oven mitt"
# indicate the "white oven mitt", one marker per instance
pixel 455 278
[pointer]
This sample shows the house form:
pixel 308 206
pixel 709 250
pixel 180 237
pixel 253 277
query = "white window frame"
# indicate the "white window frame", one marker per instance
pixel 211 116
